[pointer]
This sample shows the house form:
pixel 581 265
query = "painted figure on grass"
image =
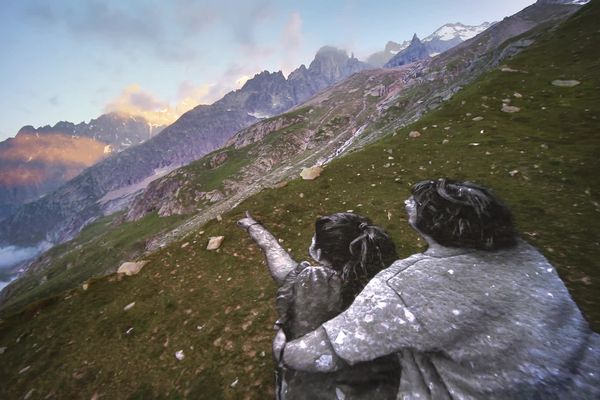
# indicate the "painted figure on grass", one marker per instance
pixel 348 250
pixel 480 315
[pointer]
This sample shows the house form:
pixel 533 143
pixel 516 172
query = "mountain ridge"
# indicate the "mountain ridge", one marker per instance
pixel 38 160
pixel 61 214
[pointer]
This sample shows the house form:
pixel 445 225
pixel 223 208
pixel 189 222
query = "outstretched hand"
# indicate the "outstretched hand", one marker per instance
pixel 246 222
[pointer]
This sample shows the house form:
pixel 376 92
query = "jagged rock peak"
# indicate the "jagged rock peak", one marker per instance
pixel 26 130
pixel 331 51
pixel 415 39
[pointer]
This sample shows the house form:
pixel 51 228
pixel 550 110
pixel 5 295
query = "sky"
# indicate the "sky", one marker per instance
pixel 75 60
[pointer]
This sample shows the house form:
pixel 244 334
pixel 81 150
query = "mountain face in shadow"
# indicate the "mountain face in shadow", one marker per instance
pixel 111 184
pixel 38 160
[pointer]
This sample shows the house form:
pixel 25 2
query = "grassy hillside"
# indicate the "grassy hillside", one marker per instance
pixel 218 306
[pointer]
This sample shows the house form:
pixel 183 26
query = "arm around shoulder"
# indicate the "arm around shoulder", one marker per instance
pixel 377 324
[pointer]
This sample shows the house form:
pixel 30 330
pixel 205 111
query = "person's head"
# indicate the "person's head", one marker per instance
pixel 350 244
pixel 460 214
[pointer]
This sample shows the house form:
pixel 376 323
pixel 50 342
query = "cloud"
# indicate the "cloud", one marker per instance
pixel 12 255
pixel 131 29
pixel 292 42
pixel 244 26
pixel 133 100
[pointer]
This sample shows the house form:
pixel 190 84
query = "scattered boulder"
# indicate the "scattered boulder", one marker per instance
pixel 3 349
pixel 414 134
pixel 280 185
pixel 179 355
pixel 217 160
pixel 445 141
pixel 214 242
pixel 85 286
pixel 517 95
pixel 514 172
pixel 131 268
pixel 311 173
pixel 478 119
pixel 129 306
pixel 565 83
pixel 213 196
pixel 510 109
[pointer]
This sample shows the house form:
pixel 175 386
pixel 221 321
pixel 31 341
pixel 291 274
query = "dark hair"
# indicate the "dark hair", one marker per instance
pixel 355 247
pixel 463 214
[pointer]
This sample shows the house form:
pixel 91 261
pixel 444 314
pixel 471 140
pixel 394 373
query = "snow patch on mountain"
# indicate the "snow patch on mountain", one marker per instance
pixel 462 31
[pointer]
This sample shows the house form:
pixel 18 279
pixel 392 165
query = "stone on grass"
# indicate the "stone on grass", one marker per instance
pixel 478 119
pixel 3 349
pixel 414 134
pixel 565 83
pixel 129 306
pixel 85 286
pixel 513 172
pixel 517 95
pixel 510 109
pixel 214 242
pixel 445 141
pixel 311 173
pixel 131 268
pixel 179 355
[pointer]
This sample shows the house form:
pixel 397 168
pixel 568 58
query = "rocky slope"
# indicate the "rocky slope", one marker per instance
pixel 39 160
pixel 352 113
pixel 111 184
pixel 117 337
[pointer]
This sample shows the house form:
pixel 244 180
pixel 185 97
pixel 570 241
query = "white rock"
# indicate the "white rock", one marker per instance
pixel 510 109
pixel 85 286
pixel 179 355
pixel 311 173
pixel 3 349
pixel 414 134
pixel 565 83
pixel 129 306
pixel 513 172
pixel 214 242
pixel 445 141
pixel 24 369
pixel 517 95
pixel 131 268
pixel 478 118
pixel 234 383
